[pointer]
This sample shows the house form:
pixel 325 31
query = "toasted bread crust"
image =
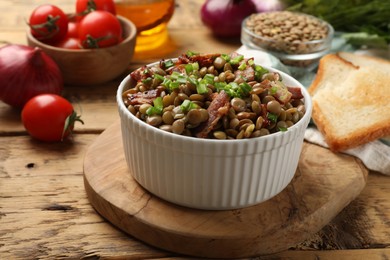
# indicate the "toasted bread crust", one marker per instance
pixel 321 73
pixel 341 87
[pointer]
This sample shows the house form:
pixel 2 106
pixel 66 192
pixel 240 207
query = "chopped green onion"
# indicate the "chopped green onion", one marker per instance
pixel 168 63
pixel 191 53
pixel 166 82
pixel 195 66
pixel 157 107
pixel 189 68
pixel 187 105
pixel 201 88
pixel 273 90
pixel 182 79
pixel 147 81
pixel 259 72
pixel 175 75
pixel 158 103
pixel 234 85
pixel 226 57
pixel 244 89
pixel 220 85
pixel 159 77
pixel 236 60
pixel 174 85
pixel 282 128
pixel 193 81
pixel 209 78
pixel 251 62
pixel 272 117
pixel 242 66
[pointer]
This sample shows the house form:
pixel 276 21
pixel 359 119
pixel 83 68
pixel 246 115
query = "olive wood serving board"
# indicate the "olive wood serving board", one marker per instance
pixel 323 185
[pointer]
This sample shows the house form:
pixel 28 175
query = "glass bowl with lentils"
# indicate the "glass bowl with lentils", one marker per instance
pixel 297 39
pixel 212 131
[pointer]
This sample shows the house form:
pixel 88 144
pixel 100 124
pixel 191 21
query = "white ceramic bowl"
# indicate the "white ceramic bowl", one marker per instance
pixel 207 173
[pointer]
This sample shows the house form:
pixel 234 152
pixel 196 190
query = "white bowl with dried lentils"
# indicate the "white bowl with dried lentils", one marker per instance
pixel 297 39
pixel 212 131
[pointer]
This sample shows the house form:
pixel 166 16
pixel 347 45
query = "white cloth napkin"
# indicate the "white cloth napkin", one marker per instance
pixel 375 155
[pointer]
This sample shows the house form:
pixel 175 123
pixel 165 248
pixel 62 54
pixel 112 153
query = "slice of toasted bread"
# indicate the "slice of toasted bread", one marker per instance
pixel 351 100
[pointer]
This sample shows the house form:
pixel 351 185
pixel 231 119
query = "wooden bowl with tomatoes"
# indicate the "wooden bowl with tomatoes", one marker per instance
pixel 86 60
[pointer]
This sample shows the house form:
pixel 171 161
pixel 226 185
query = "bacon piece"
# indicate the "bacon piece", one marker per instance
pixel 141 73
pixel 248 73
pixel 145 97
pixel 296 92
pixel 218 107
pixel 179 68
pixel 204 60
pixel 234 55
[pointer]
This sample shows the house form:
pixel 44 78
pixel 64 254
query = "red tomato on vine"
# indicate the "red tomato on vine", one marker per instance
pixel 84 7
pixel 48 23
pixel 100 29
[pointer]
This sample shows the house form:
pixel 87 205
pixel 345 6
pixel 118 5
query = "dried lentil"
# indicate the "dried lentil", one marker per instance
pixel 288 32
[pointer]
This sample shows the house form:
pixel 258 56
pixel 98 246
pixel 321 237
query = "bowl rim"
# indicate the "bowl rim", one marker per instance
pixel 307 101
pixel 123 21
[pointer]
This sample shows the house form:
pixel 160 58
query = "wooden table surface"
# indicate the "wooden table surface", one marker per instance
pixel 44 210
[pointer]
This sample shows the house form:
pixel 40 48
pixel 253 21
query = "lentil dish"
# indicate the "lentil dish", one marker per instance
pixel 217 96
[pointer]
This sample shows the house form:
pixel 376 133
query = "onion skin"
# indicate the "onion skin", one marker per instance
pixel 268 5
pixel 26 72
pixel 224 17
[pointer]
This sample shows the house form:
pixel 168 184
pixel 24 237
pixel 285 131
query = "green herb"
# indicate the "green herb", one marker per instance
pixel 191 53
pixel 168 64
pixel 147 81
pixel 201 87
pixel 159 77
pixel 233 89
pixel 282 129
pixel 192 80
pixel 187 105
pixel 189 68
pixel 242 66
pixel 272 117
pixel 236 60
pixel 259 72
pixel 157 107
pixel 209 78
pixel 226 57
pixel 370 17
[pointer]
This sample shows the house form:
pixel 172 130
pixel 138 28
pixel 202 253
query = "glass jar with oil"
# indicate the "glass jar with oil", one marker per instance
pixel 150 17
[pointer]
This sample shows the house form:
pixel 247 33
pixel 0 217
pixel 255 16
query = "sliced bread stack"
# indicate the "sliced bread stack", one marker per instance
pixel 351 99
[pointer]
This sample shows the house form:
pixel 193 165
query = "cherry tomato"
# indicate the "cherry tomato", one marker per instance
pixel 49 117
pixel 73 29
pixel 84 7
pixel 48 23
pixel 99 29
pixel 69 43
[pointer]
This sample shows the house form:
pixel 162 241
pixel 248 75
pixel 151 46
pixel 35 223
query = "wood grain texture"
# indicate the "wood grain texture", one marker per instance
pixel 314 197
pixel 44 210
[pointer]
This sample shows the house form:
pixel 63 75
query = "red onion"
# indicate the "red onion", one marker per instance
pixel 224 18
pixel 268 5
pixel 26 72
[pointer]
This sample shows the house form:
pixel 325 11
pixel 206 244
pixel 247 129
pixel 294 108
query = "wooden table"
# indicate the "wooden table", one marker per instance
pixel 44 210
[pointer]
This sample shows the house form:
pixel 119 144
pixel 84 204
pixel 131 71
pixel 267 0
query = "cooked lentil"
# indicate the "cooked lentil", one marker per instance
pixel 213 96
